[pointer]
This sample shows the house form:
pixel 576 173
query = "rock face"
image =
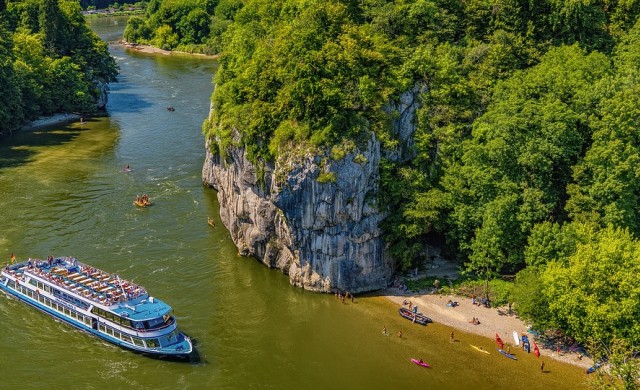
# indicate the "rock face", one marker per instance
pixel 103 87
pixel 325 234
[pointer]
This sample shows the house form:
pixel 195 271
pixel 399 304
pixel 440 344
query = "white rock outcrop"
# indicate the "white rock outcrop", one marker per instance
pixel 324 234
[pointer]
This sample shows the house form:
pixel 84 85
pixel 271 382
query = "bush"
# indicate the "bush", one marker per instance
pixel 327 177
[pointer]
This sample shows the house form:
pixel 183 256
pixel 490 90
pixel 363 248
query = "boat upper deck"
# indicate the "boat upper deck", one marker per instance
pixel 89 282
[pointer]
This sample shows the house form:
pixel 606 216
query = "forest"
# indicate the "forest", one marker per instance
pixel 527 147
pixel 49 61
pixel 526 161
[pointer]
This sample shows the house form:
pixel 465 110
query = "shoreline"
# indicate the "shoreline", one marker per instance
pixel 492 321
pixel 52 120
pixel 154 50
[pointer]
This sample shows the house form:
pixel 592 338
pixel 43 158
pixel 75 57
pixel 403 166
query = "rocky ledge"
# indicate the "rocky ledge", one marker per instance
pixel 314 218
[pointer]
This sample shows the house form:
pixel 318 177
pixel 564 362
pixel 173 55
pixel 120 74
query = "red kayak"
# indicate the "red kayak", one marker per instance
pixel 420 362
pixel 499 341
pixel 536 351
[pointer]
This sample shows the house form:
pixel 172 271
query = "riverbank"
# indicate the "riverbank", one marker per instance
pixel 154 50
pixel 52 120
pixel 492 321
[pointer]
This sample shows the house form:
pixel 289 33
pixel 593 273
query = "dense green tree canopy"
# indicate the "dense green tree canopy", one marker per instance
pixel 526 153
pixel 49 62
pixel 184 25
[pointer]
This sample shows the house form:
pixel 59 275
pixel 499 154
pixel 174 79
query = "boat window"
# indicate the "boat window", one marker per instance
pixel 12 284
pixel 154 323
pixel 152 343
pixel 33 282
pixel 138 342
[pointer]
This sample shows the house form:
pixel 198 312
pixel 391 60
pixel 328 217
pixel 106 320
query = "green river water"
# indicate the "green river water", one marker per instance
pixel 63 192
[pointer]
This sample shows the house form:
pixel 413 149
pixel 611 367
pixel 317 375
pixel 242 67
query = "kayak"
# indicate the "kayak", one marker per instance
pixel 479 349
pixel 525 343
pixel 516 339
pixel 499 341
pixel 593 368
pixel 510 356
pixel 420 363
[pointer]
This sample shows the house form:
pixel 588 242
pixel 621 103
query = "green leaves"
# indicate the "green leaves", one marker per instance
pixel 595 294
pixel 49 62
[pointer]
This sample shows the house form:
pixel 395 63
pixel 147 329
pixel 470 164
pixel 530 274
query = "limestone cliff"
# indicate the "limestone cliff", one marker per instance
pixel 103 94
pixel 325 234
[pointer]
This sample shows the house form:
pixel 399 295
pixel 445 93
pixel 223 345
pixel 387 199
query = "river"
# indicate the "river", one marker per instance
pixel 63 192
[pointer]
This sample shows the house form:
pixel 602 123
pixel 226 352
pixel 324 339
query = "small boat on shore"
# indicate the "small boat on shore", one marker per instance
pixel 102 304
pixel 594 368
pixel 536 350
pixel 499 341
pixel 525 343
pixel 420 362
pixel 418 318
pixel 505 353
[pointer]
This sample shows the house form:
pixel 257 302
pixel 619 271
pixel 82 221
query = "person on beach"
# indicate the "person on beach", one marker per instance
pixel 542 366
pixel 384 331
pixel 451 337
pixel 400 334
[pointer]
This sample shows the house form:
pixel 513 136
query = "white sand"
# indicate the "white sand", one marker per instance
pixel 55 119
pixel 492 321
pixel 154 50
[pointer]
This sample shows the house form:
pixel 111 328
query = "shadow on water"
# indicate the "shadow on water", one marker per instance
pixel 19 148
pixel 131 102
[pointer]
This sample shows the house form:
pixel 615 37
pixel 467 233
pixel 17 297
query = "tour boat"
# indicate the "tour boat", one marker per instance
pixel 102 304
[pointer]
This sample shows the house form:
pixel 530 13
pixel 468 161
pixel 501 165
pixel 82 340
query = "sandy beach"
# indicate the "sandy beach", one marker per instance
pixel 492 321
pixel 154 50
pixel 52 120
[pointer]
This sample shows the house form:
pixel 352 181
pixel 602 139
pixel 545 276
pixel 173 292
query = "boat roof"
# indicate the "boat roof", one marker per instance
pixel 144 309
pixel 120 296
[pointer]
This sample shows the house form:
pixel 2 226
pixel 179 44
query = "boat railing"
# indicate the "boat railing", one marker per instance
pixel 88 282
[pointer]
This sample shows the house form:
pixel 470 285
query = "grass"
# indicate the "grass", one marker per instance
pixel 498 291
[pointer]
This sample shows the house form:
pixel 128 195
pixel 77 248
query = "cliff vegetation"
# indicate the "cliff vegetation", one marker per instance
pixel 527 144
